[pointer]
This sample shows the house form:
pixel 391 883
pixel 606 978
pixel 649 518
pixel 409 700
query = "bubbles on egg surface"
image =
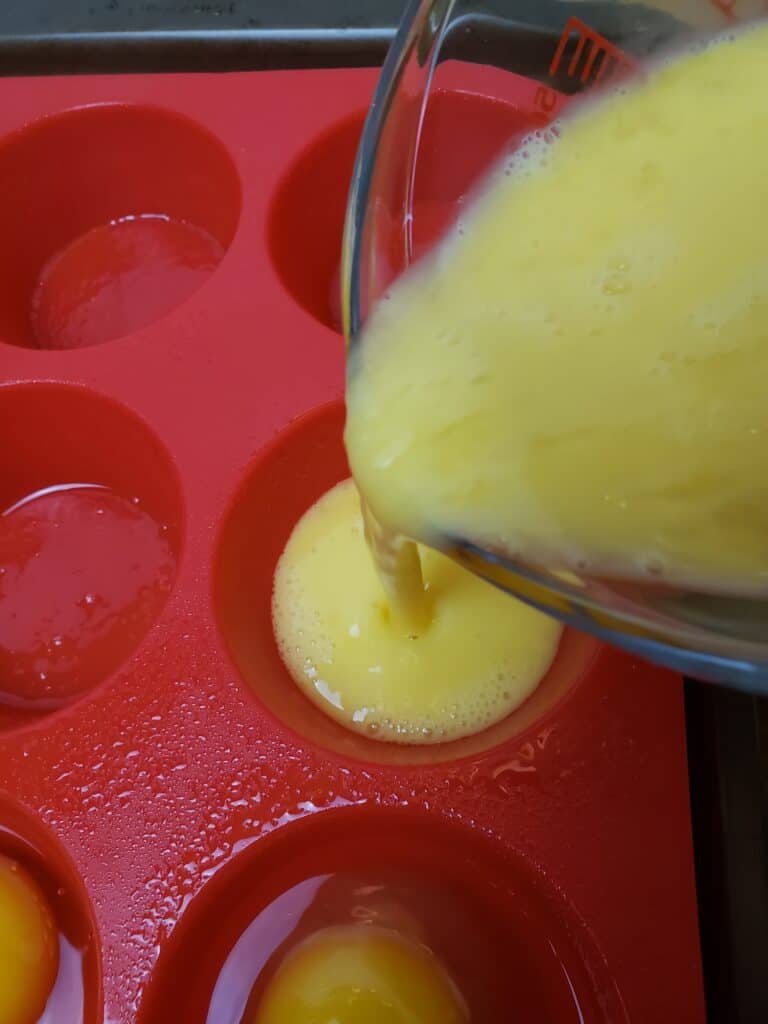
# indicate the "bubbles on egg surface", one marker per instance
pixel 533 153
pixel 357 664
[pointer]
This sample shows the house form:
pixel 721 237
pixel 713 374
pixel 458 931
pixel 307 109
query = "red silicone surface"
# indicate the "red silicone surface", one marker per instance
pixel 167 314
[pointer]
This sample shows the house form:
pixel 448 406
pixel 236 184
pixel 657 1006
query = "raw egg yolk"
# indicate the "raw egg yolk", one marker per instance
pixel 28 946
pixel 361 975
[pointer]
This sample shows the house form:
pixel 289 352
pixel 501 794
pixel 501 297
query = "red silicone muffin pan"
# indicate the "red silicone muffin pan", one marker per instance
pixel 171 402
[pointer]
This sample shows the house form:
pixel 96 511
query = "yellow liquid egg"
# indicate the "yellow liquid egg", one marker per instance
pixel 578 376
pixel 478 658
pixel 28 946
pixel 360 975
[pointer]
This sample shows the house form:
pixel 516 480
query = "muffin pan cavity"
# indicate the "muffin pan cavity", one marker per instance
pixel 90 532
pixel 512 946
pixel 112 215
pixel 35 858
pixel 301 464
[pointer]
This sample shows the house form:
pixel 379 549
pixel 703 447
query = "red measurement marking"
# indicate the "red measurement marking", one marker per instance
pixel 546 99
pixel 726 7
pixel 594 57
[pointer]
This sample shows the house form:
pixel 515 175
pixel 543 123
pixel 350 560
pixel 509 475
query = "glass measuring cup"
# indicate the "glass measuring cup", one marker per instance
pixel 463 82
